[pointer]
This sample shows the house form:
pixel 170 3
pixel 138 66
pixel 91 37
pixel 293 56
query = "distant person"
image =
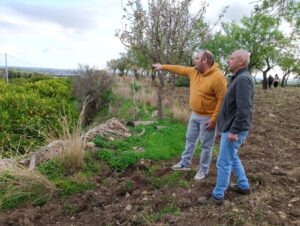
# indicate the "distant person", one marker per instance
pixel 270 81
pixel 207 89
pixel 234 122
pixel 276 81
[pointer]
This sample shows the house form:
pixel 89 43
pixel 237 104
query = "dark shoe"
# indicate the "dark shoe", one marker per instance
pixel 238 190
pixel 206 199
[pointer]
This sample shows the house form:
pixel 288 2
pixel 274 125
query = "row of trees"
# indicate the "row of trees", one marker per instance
pixel 166 31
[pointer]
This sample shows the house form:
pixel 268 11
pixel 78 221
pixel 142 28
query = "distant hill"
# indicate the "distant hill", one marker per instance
pixel 51 71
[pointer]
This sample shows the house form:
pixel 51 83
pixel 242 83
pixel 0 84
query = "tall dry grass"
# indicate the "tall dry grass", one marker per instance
pixel 72 154
pixel 147 93
pixel 19 185
pixel 181 112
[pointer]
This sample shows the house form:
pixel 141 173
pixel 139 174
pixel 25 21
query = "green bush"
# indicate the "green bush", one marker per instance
pixel 182 81
pixel 97 86
pixel 31 110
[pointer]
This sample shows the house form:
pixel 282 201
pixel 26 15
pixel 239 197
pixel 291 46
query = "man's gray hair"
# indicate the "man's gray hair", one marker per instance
pixel 244 55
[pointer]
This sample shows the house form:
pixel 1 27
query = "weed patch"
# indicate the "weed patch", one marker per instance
pixel 70 210
pixel 70 187
pixel 19 186
pixel 175 179
pixel 52 169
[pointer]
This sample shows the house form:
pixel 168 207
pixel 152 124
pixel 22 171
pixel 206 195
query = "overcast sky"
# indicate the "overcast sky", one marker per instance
pixel 63 33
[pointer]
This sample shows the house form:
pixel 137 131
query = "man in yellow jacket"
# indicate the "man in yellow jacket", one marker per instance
pixel 207 89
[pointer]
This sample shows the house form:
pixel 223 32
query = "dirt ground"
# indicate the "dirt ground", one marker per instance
pixel 271 156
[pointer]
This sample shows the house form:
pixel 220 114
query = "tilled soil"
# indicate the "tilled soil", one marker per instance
pixel 271 156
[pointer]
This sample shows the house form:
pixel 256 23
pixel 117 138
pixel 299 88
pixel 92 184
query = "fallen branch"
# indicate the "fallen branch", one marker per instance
pixel 138 123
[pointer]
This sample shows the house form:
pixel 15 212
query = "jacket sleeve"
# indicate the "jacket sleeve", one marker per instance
pixel 220 88
pixel 243 99
pixel 177 69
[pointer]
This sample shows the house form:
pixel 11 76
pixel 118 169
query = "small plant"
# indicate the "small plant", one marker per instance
pixel 173 180
pixel 125 187
pixel 53 169
pixel 18 185
pixel 170 210
pixel 91 165
pixel 69 187
pixel 119 160
pixel 70 210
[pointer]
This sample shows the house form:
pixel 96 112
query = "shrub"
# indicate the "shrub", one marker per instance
pixel 97 86
pixel 29 111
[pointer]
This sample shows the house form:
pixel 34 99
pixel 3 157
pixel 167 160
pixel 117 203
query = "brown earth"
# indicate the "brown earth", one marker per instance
pixel 271 156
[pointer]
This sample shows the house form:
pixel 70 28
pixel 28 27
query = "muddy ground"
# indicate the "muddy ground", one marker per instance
pixel 271 156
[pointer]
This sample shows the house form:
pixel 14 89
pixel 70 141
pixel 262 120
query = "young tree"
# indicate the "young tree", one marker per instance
pixel 112 65
pixel 163 31
pixel 289 64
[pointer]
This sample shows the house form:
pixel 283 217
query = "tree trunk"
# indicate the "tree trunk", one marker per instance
pixel 173 80
pixel 265 80
pixel 284 78
pixel 160 95
pixel 153 75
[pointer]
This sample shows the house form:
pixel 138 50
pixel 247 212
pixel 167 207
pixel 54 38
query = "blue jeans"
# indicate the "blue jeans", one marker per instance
pixel 197 131
pixel 228 160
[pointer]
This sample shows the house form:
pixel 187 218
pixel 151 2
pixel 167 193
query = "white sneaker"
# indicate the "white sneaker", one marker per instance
pixel 179 166
pixel 199 176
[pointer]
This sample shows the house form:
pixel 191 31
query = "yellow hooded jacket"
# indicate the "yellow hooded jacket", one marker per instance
pixel 206 90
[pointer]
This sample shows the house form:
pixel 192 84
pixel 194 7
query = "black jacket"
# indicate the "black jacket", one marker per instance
pixel 236 111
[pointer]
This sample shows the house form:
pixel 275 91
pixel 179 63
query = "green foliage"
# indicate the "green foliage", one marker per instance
pixel 182 81
pixel 91 165
pixel 30 110
pixel 94 88
pixel 52 169
pixel 15 73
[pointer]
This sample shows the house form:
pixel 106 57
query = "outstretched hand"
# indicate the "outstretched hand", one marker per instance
pixel 157 66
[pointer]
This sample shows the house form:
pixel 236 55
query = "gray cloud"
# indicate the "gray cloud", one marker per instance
pixel 72 16
pixel 236 12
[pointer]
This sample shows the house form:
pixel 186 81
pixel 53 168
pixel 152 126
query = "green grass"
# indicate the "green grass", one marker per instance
pixel 71 187
pixel 55 172
pixel 52 169
pixel 161 144
pixel 167 210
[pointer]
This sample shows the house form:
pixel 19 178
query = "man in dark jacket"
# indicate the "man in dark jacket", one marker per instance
pixel 234 122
